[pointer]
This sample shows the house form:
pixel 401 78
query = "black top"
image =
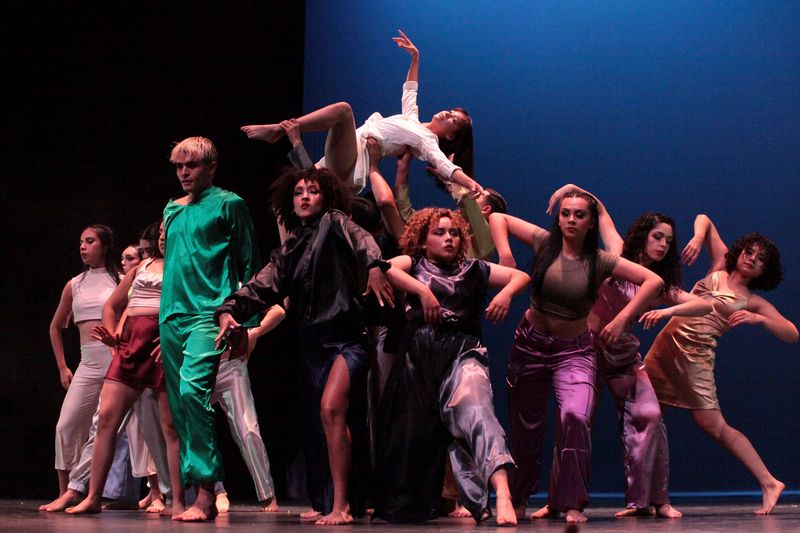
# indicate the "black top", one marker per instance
pixel 322 268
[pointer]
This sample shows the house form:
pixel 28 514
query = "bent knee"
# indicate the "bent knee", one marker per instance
pixel 331 415
pixel 343 109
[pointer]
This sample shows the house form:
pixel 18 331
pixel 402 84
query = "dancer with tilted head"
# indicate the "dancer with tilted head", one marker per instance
pixel 681 361
pixel 449 132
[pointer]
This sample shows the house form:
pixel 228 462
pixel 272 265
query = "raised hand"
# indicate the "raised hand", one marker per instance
pixel 405 43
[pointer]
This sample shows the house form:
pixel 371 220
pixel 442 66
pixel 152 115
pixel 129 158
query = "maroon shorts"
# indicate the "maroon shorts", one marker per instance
pixel 133 365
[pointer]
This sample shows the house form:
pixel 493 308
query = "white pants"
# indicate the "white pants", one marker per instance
pixel 234 395
pixel 80 404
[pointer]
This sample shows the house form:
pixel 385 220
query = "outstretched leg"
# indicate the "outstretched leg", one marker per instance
pixel 116 400
pixel 341 145
pixel 333 409
pixel 713 423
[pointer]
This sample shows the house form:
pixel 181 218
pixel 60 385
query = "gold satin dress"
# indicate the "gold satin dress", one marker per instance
pixel 681 361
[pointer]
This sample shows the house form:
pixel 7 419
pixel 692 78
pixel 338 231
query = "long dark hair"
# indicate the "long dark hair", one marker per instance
pixel 335 194
pixel 551 247
pixel 669 268
pixel 151 234
pixel 110 262
pixel 461 146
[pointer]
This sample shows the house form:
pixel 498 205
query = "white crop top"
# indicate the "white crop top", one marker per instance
pixel 90 291
pixel 146 288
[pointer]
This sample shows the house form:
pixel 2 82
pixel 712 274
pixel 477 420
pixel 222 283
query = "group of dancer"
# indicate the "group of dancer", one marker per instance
pixel 387 319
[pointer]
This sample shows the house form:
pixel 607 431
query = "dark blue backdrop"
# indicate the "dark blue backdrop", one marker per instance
pixel 681 107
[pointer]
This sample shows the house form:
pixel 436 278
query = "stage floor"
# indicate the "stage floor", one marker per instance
pixel 700 514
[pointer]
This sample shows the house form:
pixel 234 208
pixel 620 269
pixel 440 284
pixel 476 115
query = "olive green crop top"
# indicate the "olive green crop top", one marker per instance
pixel 563 293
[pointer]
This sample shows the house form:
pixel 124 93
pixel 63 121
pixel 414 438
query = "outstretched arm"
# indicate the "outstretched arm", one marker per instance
pixel 502 225
pixel 685 304
pixel 608 230
pixel 705 233
pixel 405 43
pixel 763 313
pixel 511 282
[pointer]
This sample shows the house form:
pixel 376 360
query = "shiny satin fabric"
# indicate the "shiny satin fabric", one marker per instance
pixel 642 432
pixel 437 397
pixel 681 361
pixel 539 362
pixel 234 395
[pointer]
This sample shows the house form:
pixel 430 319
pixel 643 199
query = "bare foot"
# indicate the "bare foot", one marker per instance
pixel 460 512
pixel 196 514
pixel 769 497
pixel 156 506
pixel 575 516
pixel 544 512
pixel 172 509
pixel 667 511
pixel 505 512
pixel 637 511
pixel 309 515
pixel 269 506
pixel 85 507
pixel 68 499
pixel 335 518
pixel 265 132
pixel 145 502
pixel 223 503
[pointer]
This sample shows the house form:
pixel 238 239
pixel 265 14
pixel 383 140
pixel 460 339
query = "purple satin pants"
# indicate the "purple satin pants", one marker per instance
pixel 643 434
pixel 538 362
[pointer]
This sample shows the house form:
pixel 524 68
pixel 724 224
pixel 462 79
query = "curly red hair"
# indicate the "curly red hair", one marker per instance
pixel 413 240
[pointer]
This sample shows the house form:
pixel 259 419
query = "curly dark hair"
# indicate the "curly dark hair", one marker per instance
pixel 418 226
pixel 773 271
pixel 669 268
pixel 335 193
pixel 551 248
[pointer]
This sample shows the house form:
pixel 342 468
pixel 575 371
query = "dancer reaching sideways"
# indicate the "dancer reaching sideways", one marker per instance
pixel 439 393
pixel 681 361
pixel 553 346
pixel 318 268
pixel 448 132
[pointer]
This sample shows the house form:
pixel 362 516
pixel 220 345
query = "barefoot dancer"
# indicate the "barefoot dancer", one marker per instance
pixel 553 345
pixel 83 297
pixel 133 369
pixel 440 393
pixel 650 241
pixel 210 250
pixel 681 361
pixel 448 132
pixel 317 268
